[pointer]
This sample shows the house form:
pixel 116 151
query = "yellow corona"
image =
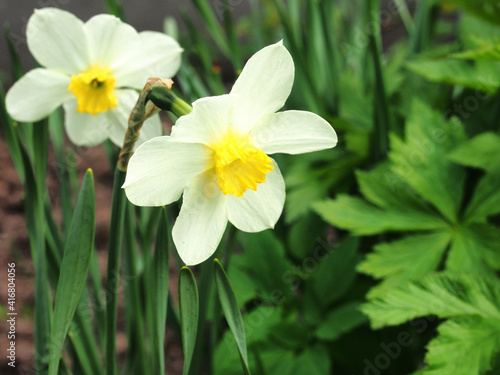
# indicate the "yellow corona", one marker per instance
pixel 94 90
pixel 239 166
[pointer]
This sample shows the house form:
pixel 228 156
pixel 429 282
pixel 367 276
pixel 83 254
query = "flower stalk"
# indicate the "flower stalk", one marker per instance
pixel 155 95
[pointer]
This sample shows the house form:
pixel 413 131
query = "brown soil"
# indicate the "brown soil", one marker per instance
pixel 14 247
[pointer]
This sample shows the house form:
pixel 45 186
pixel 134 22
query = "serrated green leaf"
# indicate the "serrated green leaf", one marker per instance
pixel 421 158
pixel 445 295
pixel 231 312
pixel 486 199
pixel 474 250
pixel 480 152
pixel 188 313
pixel 74 269
pixel 484 75
pixel 465 346
pixel 362 218
pixel 341 320
pixel 403 260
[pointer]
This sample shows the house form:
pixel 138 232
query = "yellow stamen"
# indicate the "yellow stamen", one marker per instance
pixel 94 90
pixel 239 166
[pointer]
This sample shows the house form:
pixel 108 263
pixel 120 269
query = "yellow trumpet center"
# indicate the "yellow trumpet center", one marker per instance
pixel 94 90
pixel 239 166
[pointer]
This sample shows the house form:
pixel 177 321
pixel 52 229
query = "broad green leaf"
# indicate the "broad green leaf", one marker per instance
pixel 485 52
pixel 341 320
pixel 263 260
pixel 74 269
pixel 464 346
pixel 474 250
pixel 313 361
pixel 406 259
pixel 290 334
pixel 231 312
pixel 484 75
pixel 488 10
pixel 188 312
pixel 486 199
pixel 362 218
pixel 445 295
pixel 480 152
pixel 385 189
pixel 331 268
pixel 421 159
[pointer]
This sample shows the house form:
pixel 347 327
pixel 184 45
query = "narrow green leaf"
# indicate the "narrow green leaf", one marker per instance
pixel 232 312
pixel 9 134
pixel 74 269
pixel 188 311
pixel 160 286
pixel 113 272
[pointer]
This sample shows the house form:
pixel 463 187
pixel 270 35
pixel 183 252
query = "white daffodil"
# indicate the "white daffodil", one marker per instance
pixel 91 69
pixel 217 157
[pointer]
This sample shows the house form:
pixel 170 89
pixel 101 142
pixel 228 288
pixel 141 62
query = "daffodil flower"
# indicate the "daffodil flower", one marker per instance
pixel 92 69
pixel 217 157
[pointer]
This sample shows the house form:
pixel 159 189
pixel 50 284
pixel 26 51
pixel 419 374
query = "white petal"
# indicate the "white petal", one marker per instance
pixel 207 122
pixel 37 94
pixel 57 40
pixel 85 129
pixel 160 169
pixel 263 85
pixel 110 40
pixel 158 56
pixel 202 220
pixel 293 132
pixel 261 209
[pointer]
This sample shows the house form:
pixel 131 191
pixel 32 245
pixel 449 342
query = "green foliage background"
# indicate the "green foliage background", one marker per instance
pixel 386 259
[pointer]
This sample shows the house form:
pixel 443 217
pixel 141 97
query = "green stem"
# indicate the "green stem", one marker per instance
pixel 137 353
pixel 113 271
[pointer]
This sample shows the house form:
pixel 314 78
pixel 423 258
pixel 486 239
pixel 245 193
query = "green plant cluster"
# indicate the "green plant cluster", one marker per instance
pixel 387 257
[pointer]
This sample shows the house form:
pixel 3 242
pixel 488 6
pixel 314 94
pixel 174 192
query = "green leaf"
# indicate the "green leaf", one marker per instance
pixel 445 295
pixel 160 277
pixel 480 152
pixel 484 75
pixel 406 259
pixel 421 159
pixel 231 312
pixel 485 52
pixel 188 312
pixel 336 270
pixel 313 361
pixel 362 218
pixel 263 260
pixel 465 346
pixel 474 250
pixel 486 199
pixel 341 320
pixel 74 269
